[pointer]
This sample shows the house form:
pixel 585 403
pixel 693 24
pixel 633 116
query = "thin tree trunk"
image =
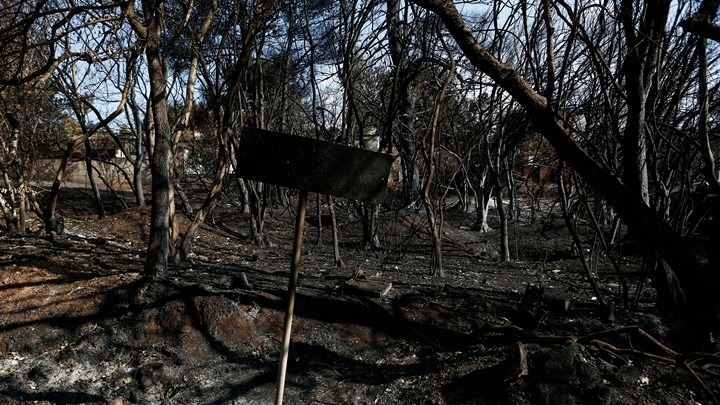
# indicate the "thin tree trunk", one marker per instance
pixel 109 187
pixel 49 215
pixel 576 240
pixel 8 207
pixel 174 226
pixel 244 195
pixel 9 220
pixel 624 294
pixel 706 149
pixel 281 193
pixel 257 214
pixel 370 236
pixel 185 245
pixel 186 205
pixel 502 215
pixel 22 205
pixel 138 152
pixel 336 244
pixel 482 197
pixel 91 179
pixel 318 208
pixel 514 212
pixel 432 135
pixel 137 185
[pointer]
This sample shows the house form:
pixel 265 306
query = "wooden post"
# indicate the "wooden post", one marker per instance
pixel 292 286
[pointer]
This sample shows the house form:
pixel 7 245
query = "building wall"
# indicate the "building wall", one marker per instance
pixel 76 173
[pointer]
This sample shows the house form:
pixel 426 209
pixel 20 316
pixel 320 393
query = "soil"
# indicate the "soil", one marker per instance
pixel 80 325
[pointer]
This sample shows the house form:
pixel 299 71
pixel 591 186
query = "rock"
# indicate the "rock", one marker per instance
pixel 225 281
pixel 153 374
pixel 570 375
pixel 561 363
pixel 530 309
pixel 551 394
pixel 37 374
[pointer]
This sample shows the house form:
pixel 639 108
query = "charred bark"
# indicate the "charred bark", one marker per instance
pixel 156 262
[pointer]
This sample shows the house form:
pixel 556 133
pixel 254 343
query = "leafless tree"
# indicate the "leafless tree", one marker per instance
pixel 223 77
pixel 36 38
pixel 630 204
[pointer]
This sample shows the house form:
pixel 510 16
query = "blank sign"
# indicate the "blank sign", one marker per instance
pixel 312 165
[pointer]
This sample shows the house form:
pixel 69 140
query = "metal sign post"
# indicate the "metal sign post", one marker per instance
pixel 309 165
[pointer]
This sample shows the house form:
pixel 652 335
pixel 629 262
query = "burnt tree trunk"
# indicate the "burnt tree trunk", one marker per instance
pixel 482 198
pixel 50 213
pixel 503 217
pixel 185 245
pixel 401 109
pixel 7 213
pixel 91 179
pixel 258 206
pixel 371 240
pixel 336 244
pixel 156 262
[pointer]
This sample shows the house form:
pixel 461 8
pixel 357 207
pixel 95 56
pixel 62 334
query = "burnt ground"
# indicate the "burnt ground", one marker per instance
pixel 79 325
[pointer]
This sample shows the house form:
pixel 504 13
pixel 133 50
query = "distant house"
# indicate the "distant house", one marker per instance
pixel 107 157
pixel 536 172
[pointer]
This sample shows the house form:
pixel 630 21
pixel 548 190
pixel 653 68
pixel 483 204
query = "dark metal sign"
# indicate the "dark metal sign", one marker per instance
pixel 312 165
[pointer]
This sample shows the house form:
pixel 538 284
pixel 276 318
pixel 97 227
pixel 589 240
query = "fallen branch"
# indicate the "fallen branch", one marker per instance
pixel 366 288
pixel 688 361
pixel 694 376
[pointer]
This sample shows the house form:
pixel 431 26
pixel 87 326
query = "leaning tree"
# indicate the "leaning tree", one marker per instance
pixel 626 195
